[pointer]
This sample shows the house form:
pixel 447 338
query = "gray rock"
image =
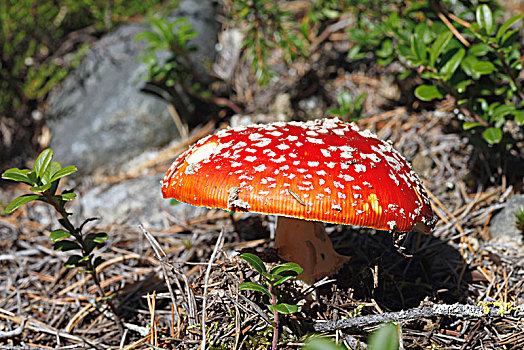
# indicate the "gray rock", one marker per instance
pixel 503 224
pixel 133 202
pixel 100 118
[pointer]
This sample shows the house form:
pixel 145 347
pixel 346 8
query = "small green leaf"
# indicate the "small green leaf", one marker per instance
pixel 418 48
pixel 384 338
pixel 519 118
pixel 254 286
pixel 68 170
pixel 461 87
pixel 51 170
pixel 42 188
pixel 478 50
pixel 452 64
pixel 279 279
pixel 58 235
pixel 98 237
pixel 284 309
pixel 65 246
pixel 485 18
pixel 438 47
pixel 470 125
pixel 502 111
pixel 75 261
pixel 287 267
pixel 504 27
pixel 19 175
pixel 42 162
pixel 483 67
pixel 255 262
pixel 427 92
pixel 67 196
pixel 18 202
pixel 492 135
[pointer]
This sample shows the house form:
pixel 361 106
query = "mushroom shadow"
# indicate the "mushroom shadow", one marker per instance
pixel 395 281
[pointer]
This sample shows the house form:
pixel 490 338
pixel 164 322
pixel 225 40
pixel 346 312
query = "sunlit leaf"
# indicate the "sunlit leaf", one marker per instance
pixel 427 92
pixel 284 309
pixel 492 135
pixel 255 262
pixel 19 201
pixel 254 286
pixel 42 162
pixel 58 235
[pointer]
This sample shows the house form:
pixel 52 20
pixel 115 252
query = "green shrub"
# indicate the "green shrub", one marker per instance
pixel 477 64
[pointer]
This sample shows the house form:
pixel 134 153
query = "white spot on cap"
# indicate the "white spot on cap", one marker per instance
pixel 250 158
pixel 202 153
pixel 356 187
pixel 325 152
pixel 336 207
pixel 331 165
pixel 313 164
pixel 314 140
pixel 280 159
pixel 321 172
pixel 360 168
pixel 263 143
pixel 236 164
pixel 283 146
pixel 372 156
pixel 269 152
pixel 260 168
pixel 275 133
pixel 292 138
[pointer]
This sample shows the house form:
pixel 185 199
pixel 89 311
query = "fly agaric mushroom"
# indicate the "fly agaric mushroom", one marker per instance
pixel 306 173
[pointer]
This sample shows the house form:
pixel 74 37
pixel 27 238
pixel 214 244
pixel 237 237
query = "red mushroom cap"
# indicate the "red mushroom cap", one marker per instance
pixel 324 170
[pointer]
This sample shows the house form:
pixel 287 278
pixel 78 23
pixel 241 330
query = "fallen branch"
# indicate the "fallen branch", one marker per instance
pixel 454 310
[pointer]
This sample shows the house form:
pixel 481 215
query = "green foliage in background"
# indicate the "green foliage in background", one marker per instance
pixel 349 109
pixel 171 37
pixel 266 26
pixel 477 66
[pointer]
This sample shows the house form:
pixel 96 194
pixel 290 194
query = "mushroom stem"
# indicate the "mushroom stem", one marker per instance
pixel 307 244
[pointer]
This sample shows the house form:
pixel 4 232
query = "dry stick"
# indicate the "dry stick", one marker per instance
pixel 456 310
pixel 161 256
pixel 17 331
pixel 206 281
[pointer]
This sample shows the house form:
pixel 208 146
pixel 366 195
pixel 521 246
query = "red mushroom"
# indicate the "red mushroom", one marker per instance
pixel 307 173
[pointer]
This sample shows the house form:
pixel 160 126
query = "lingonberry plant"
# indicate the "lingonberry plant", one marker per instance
pixel 270 281
pixel 43 181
